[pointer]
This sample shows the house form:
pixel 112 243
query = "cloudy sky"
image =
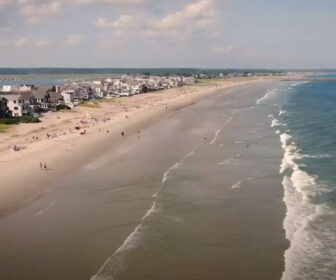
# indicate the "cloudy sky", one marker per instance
pixel 168 33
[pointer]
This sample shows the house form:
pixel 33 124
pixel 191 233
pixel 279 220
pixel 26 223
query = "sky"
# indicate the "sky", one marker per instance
pixel 168 33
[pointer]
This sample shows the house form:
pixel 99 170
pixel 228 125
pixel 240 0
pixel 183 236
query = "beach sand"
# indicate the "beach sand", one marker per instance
pixel 218 206
pixel 65 149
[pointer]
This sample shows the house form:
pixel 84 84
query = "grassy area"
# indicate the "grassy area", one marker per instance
pixel 72 111
pixel 206 82
pixel 11 121
pixel 4 127
pixel 90 104
pixel 110 100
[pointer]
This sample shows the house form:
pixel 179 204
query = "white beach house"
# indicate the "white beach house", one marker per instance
pixel 14 103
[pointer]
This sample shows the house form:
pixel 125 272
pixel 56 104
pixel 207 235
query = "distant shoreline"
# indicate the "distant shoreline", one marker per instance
pixel 153 71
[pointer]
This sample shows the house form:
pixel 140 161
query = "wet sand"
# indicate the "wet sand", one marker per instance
pixel 202 227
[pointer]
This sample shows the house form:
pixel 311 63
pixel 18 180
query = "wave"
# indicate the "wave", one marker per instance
pixel 41 212
pixel 299 83
pixel 307 257
pixel 237 185
pixel 231 161
pixel 276 123
pixel 268 95
pixel 291 153
pixel 215 137
pixel 282 112
pixel 218 131
pixel 318 156
pixel 115 264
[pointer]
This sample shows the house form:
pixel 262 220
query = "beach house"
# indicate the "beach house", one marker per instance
pixel 14 103
pixel 4 111
pixel 85 92
pixel 56 100
pixel 29 102
pixel 42 97
pixel 69 97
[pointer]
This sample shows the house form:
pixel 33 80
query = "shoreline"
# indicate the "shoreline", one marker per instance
pixel 84 217
pixel 75 148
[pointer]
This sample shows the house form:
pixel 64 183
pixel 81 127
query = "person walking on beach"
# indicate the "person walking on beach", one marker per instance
pixel 45 167
pixel 122 134
pixel 41 165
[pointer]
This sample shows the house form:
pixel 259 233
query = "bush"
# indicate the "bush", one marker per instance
pixel 29 120
pixel 63 107
pixel 11 121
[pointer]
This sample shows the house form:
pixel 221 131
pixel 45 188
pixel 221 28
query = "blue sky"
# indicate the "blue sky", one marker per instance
pixel 169 33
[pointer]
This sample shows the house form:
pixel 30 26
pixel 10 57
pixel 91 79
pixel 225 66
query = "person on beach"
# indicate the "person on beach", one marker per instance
pixel 45 167
pixel 122 134
pixel 107 131
pixel 205 138
pixel 126 117
pixel 41 165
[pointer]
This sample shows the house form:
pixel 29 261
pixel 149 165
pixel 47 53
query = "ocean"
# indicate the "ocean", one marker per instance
pixel 307 129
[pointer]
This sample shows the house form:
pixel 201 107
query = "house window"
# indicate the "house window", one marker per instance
pixel 16 108
pixel 14 101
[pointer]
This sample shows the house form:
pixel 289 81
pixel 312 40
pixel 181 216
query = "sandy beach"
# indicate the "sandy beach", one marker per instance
pixel 56 142
pixel 69 221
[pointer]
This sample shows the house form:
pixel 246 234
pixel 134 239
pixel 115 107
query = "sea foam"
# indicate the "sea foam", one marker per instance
pixel 303 257
pixel 268 95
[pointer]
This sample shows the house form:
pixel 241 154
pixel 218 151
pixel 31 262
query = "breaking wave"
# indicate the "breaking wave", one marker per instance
pixel 307 256
pixel 267 96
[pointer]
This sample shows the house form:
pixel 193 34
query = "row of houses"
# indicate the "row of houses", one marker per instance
pixel 29 100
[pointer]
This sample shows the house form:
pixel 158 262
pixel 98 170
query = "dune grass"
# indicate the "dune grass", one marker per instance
pixel 90 104
pixel 4 127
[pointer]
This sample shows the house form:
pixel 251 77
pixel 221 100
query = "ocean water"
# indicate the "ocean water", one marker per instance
pixel 306 124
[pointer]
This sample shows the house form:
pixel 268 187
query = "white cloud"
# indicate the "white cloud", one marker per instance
pixel 113 2
pixel 23 41
pixel 73 39
pixel 179 25
pixel 221 49
pixel 6 29
pixel 3 3
pixel 34 11
pixel 42 43
pixel 28 42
